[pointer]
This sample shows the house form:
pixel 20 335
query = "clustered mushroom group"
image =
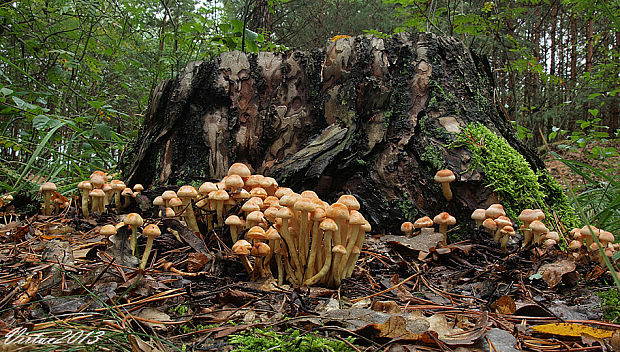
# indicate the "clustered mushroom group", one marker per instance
pixel 584 241
pixel 425 225
pixel 97 195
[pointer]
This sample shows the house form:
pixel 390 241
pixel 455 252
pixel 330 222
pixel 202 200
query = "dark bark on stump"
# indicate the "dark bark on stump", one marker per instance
pixel 366 116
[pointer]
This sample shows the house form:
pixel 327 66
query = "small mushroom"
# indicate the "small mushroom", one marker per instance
pixel 444 177
pixel 235 224
pixel 48 188
pixel 97 196
pixel 478 215
pixel 127 194
pixel 134 220
pixel 423 223
pixel 187 194
pixel 444 220
pixel 242 249
pixel 138 188
pixel 85 187
pixel 538 228
pixel 407 228
pixel 150 231
pixel 506 232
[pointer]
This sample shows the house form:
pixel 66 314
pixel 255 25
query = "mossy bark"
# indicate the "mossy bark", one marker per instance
pixel 366 116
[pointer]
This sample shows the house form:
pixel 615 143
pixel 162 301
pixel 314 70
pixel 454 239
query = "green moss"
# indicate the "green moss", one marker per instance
pixel 433 156
pixel 407 208
pixel 610 303
pixel 511 177
pixel 292 340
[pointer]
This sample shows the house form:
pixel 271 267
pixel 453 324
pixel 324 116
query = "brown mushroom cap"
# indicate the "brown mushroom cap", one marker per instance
pixel 575 245
pixel 338 211
pixel 538 227
pixel 138 188
pixel 489 224
pixel 97 193
pixel 553 235
pixel 168 194
pixel 220 195
pixel 289 199
pixel 258 192
pixel 606 237
pixel 281 191
pixel 175 202
pixel 304 204
pixel 127 192
pixel 272 234
pixel 256 216
pixel 309 194
pixel 85 185
pixel 444 175
pixel 507 230
pixel 117 185
pixel 285 213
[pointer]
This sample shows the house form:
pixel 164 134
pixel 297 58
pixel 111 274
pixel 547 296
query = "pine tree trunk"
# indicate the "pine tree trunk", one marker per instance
pixel 366 116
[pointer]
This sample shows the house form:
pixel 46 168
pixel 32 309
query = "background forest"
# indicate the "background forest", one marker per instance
pixel 75 76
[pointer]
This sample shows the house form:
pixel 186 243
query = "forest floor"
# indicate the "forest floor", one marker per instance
pixel 60 278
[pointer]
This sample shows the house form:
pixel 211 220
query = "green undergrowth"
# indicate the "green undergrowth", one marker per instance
pixel 255 340
pixel 511 176
pixel 610 303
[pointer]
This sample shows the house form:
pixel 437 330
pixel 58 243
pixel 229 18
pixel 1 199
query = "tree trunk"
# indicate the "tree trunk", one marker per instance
pixel 366 116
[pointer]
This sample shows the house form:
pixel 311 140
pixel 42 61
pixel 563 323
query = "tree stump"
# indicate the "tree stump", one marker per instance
pixel 367 116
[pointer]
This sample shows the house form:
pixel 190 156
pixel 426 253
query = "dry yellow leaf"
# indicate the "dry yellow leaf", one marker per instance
pixel 568 329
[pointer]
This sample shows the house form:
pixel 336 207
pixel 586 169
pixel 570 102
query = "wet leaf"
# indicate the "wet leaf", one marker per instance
pixel 196 261
pixel 552 273
pixel 504 305
pixel 569 329
pixel 422 242
pixel 152 318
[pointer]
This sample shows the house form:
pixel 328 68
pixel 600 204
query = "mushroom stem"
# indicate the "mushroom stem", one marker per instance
pixel 47 203
pixel 312 257
pixel 133 241
pixel 219 207
pixel 447 192
pixel 85 212
pixel 188 214
pixel 292 251
pixel 147 251
pixel 246 263
pixel 328 261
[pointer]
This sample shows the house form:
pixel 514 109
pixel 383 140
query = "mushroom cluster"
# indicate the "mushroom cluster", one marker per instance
pixel 425 223
pixel 307 240
pixel 97 194
pixel 584 240
pixel 496 223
